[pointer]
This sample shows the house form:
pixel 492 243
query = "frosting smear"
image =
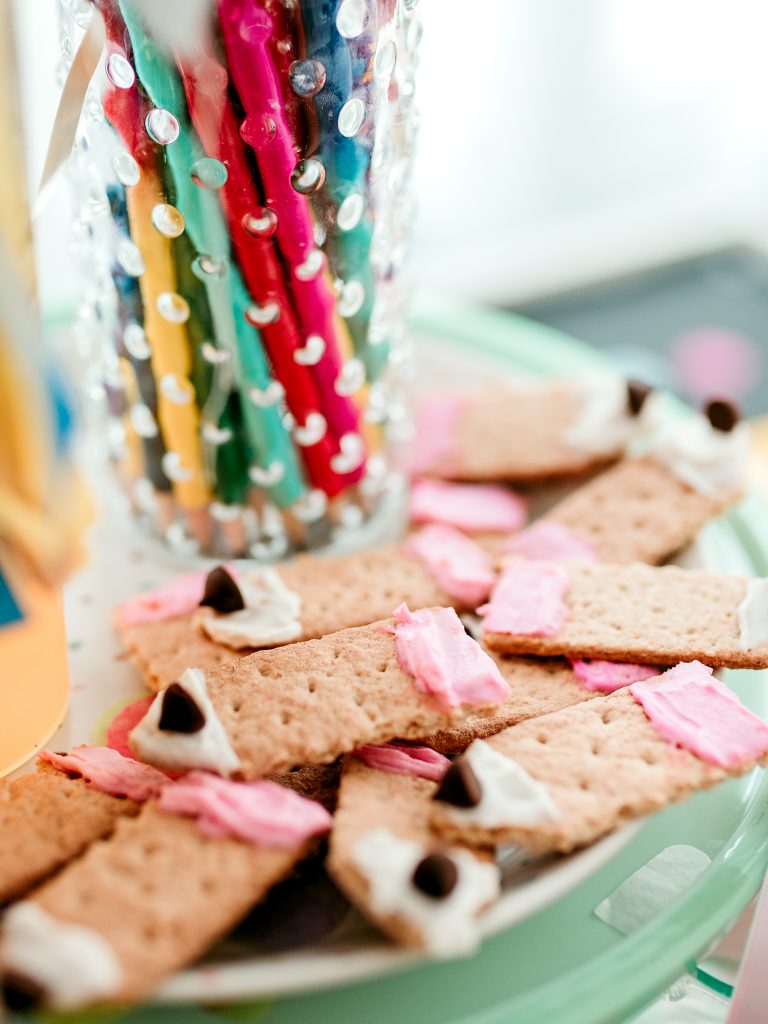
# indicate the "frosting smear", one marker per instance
pixel 459 566
pixel 688 706
pixel 109 772
pixel 476 508
pixel 528 600
pixel 401 759
pixel 262 812
pixel 433 647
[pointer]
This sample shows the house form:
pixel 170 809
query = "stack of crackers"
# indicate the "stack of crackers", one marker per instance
pixel 409 709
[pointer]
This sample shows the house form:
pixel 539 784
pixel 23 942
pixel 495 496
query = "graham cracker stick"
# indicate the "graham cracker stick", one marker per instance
pixel 537 686
pixel 524 433
pixel 385 815
pixel 602 764
pixel 641 613
pixel 145 902
pixel 638 511
pixel 46 819
pixel 305 703
pixel 336 593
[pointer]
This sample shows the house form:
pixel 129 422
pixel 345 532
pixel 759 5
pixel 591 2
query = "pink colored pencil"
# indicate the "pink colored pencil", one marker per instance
pixel 246 32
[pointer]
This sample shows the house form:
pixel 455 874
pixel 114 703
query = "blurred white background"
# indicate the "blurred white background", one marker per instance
pixel 562 141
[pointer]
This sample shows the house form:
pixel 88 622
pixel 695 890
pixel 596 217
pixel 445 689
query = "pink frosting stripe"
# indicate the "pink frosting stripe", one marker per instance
pixel 609 676
pixel 475 508
pixel 436 420
pixel 400 759
pixel 262 812
pixel 179 596
pixel 109 772
pixel 444 661
pixel 458 565
pixel 689 707
pixel 548 541
pixel 528 600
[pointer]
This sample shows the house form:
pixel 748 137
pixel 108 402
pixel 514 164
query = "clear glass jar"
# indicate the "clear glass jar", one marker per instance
pixel 240 176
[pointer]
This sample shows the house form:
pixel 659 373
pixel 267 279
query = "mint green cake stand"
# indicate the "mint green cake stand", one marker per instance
pixel 563 965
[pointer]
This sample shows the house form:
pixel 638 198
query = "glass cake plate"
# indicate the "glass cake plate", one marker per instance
pixel 546 957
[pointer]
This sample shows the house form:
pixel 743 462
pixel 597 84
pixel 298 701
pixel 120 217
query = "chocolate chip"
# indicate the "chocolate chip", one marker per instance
pixel 637 392
pixel 179 712
pixel 722 414
pixel 20 993
pixel 459 786
pixel 221 592
pixel 436 875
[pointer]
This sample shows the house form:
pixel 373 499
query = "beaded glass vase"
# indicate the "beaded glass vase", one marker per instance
pixel 240 178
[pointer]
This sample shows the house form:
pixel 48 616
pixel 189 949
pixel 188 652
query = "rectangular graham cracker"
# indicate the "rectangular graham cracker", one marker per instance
pixel 638 511
pixel 336 593
pixel 46 819
pixel 308 703
pixel 161 893
pixel 537 686
pixel 517 434
pixel 370 799
pixel 603 764
pixel 642 613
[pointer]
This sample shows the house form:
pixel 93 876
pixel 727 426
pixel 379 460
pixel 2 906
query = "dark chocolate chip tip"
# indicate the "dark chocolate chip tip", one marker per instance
pixel 637 393
pixel 459 786
pixel 436 875
pixel 221 592
pixel 19 993
pixel 179 712
pixel 722 414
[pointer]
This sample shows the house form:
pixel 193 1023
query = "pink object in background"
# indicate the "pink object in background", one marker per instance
pixel 476 508
pixel 435 419
pixel 716 361
pixel 548 541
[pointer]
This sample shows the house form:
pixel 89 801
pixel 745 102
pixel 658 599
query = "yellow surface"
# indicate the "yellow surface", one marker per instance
pixel 171 356
pixel 34 688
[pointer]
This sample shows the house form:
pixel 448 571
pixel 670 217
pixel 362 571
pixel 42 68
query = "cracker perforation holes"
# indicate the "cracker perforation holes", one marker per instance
pixel 542 738
pixel 285 718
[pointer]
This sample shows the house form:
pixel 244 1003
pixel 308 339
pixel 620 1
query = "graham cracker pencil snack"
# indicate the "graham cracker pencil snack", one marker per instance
pixel 167 630
pixel 637 613
pixel 567 779
pixel 72 800
pixel 531 431
pixel 155 895
pixel 646 509
pixel 308 703
pixel 383 855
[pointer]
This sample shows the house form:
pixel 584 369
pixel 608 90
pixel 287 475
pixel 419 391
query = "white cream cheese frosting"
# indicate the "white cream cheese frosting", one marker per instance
pixel 207 748
pixel 713 462
pixel 753 616
pixel 604 423
pixel 72 964
pixel 271 615
pixel 510 796
pixel 448 925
